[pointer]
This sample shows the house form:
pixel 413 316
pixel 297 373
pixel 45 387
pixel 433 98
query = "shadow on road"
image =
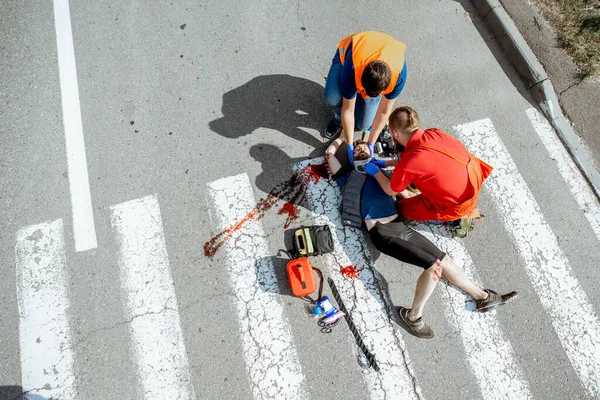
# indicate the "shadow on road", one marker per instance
pixel 279 102
pixel 16 393
pixel 276 168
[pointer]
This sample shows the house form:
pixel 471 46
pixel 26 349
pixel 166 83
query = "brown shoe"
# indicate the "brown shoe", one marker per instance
pixel 462 229
pixel 493 300
pixel 418 327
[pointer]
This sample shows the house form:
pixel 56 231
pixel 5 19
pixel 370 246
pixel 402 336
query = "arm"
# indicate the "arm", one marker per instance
pixel 385 163
pixel 332 161
pixel 400 177
pixel 392 162
pixel 347 115
pixel 386 105
pixel 381 118
pixel 384 182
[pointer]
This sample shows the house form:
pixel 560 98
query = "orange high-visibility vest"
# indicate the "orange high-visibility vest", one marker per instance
pixel 370 46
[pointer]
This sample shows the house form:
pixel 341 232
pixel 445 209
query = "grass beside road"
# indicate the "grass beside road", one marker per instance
pixel 577 27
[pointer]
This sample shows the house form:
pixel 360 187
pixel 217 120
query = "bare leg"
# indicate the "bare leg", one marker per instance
pixel 456 276
pixel 425 285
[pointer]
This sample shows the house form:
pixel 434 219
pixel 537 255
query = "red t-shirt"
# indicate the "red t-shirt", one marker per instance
pixel 439 178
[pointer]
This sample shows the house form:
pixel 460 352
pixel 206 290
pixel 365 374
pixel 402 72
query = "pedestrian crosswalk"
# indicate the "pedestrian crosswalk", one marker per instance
pixel 489 354
pixel 45 336
pixel 269 352
pixel 267 337
pixel 549 271
pixel 150 302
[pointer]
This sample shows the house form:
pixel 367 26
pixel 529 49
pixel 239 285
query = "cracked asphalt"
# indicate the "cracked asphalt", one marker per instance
pixel 176 96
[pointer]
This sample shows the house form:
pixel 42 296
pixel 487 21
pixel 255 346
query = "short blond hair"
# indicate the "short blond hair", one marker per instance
pixel 404 120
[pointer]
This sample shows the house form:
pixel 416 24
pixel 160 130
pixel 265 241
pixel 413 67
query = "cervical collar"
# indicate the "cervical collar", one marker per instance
pixel 359 165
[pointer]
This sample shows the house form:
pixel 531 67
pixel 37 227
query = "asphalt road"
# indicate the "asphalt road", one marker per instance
pixel 191 113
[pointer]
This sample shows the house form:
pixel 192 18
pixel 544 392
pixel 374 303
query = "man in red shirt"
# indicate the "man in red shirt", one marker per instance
pixel 446 174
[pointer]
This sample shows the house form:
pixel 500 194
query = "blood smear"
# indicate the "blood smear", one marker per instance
pixel 350 271
pixel 292 211
pixel 294 190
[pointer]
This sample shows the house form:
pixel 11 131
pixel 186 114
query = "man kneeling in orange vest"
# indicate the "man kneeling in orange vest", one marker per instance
pixel 447 175
pixel 367 74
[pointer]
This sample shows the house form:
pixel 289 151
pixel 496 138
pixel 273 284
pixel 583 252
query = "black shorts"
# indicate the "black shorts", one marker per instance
pixel 400 241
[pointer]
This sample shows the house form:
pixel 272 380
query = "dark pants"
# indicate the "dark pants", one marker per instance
pixel 400 241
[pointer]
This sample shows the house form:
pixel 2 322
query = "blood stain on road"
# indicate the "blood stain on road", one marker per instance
pixel 292 211
pixel 294 189
pixel 350 271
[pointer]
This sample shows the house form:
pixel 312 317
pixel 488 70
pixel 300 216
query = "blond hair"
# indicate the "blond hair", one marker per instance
pixel 404 120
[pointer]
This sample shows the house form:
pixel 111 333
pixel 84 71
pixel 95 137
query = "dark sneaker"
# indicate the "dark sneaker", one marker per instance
pixel 419 328
pixel 494 299
pixel 332 129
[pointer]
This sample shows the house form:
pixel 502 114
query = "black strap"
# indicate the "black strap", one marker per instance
pixel 320 295
pixel 361 345
pixel 287 253
pixel 320 283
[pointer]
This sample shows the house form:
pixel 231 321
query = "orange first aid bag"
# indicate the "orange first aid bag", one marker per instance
pixel 301 276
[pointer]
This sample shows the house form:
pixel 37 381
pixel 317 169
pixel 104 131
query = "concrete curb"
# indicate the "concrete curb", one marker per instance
pixel 533 74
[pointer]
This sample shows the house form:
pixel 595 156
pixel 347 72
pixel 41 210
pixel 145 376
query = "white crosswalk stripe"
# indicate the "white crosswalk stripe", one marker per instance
pixel 150 302
pixel 571 175
pixel 395 378
pixel 45 335
pixel 490 356
pixel 271 357
pixel 549 271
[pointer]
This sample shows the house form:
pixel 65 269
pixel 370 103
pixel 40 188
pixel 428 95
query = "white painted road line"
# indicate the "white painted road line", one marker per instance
pixel 362 297
pixel 573 317
pixel 571 175
pixel 491 357
pixel 45 336
pixel 150 302
pixel 84 230
pixel 271 357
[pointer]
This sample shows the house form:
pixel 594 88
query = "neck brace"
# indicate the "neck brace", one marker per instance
pixel 359 165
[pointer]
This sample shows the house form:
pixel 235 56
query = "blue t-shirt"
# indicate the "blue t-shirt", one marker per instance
pixel 348 83
pixel 374 202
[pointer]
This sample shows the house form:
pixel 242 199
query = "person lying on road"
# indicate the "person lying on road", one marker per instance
pixel 391 236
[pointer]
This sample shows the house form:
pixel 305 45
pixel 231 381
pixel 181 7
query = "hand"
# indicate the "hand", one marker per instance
pixel 371 168
pixel 371 149
pixel 379 163
pixel 351 154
